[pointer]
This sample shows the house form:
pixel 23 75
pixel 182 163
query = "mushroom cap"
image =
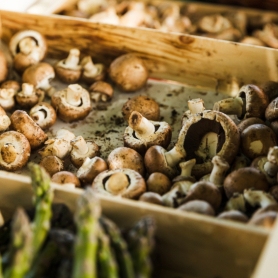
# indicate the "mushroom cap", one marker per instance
pixel 135 188
pixel 11 85
pixel 145 105
pixel 198 206
pixel 256 101
pixel 256 140
pixel 66 177
pixel 196 127
pixel 244 178
pixel 38 74
pixel 266 219
pixel 43 114
pixel 206 191
pixel 3 67
pixel 249 121
pixel 129 72
pixel 158 183
pixel 68 112
pixel 161 137
pixel 90 169
pixel 271 89
pixel 23 123
pixel 21 147
pixel 152 198
pixel 234 215
pixel 103 88
pixel 123 157
pixel 271 111
pixel 52 164
pixel 67 75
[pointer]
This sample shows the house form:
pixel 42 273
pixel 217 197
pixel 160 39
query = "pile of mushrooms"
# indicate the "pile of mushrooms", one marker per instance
pixel 224 162
pixel 234 25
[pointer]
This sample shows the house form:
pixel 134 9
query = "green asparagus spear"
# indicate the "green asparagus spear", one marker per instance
pixel 43 201
pixel 120 247
pixel 107 266
pixel 140 240
pixel 22 237
pixel 85 252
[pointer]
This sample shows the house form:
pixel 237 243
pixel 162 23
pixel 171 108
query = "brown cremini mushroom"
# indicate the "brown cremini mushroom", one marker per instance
pixel 158 183
pixel 66 178
pixel 198 206
pixel 14 150
pixel 8 90
pixel 152 198
pixel 101 91
pixel 92 72
pixel 3 67
pixel 233 215
pixel 52 164
pixel 5 121
pixel 125 183
pixel 27 97
pixel 129 72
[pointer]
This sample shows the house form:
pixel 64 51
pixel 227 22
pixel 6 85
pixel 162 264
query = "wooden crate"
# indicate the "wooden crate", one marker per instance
pixel 189 245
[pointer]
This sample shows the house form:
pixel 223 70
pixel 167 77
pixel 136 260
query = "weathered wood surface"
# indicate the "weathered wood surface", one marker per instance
pixel 189 245
pixel 207 63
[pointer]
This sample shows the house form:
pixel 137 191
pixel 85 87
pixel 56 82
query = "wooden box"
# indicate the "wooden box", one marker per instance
pixel 189 245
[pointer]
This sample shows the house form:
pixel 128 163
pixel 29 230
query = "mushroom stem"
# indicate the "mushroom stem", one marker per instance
pixel 7 93
pixel 196 105
pixel 236 202
pixel 208 146
pixel 258 197
pixel 186 167
pixel 27 89
pixel 80 145
pixel 271 166
pixel 220 167
pixel 142 126
pixel 116 183
pixel 88 65
pixel 8 153
pixel 74 95
pixel 27 45
pixel 73 58
pixel 174 156
pixel 230 106
pixel 4 120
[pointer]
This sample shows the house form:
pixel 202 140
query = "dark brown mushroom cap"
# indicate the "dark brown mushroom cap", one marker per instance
pixel 256 140
pixel 13 160
pixel 198 206
pixel 196 127
pixel 271 89
pixel 67 75
pixel 233 215
pixel 266 219
pixel 249 121
pixel 161 137
pixel 256 101
pixel 205 191
pixel 123 157
pixel 271 207
pixel 271 111
pixel 134 190
pixel 152 198
pixel 244 178
pixel 145 105
pixel 158 183
pixel 23 123
pixel 64 177
pixel 52 164
pixel 3 67
pixel 70 113
pixel 129 72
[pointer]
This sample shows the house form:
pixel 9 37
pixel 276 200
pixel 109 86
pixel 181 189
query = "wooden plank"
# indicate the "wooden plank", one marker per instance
pixel 192 60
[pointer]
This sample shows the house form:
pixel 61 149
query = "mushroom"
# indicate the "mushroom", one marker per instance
pixel 59 146
pixel 72 103
pixel 206 134
pixel 274 191
pixel 158 183
pixel 101 91
pixel 252 40
pixel 271 89
pixel 251 101
pixel 92 72
pixel 142 133
pixel 108 16
pixel 52 164
pixel 129 72
pixel 145 105
pixel 90 168
pixel 269 35
pixel 266 219
pixel 123 157
pixel 233 215
pixel 271 114
pixel 27 97
pixel 14 150
pixel 43 114
pixel 126 183
pixel 135 15
pixel 3 66
pixel 69 70
pixel 40 75
pixel 152 198
pixel 8 90
pixel 258 198
pixel 247 122
pixel 236 202
pixel 198 206
pixel 23 123
pixel 66 178
pixel 28 47
pixel 240 161
pixel 268 165
pixel 82 149
pixel 256 140
pixel 244 178
pixel 214 23
pixel 4 120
